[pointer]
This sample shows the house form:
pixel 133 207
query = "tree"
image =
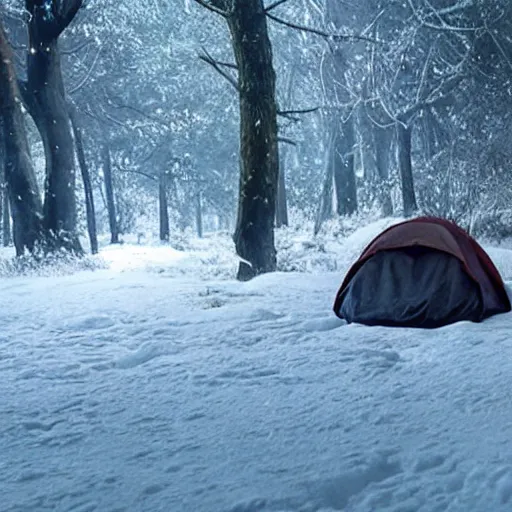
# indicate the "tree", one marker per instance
pixel 86 178
pixel 163 207
pixel 109 194
pixel 45 97
pixel 414 74
pixel 21 182
pixel 259 161
pixel 335 71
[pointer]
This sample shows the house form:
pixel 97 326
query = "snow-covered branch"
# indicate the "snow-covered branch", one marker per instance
pixel 211 7
pixel 321 33
pixel 206 57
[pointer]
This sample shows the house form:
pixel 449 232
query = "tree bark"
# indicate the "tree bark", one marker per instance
pixel 325 206
pixel 44 95
pixel 368 153
pixel 6 218
pixel 382 138
pixel 404 136
pixel 281 200
pixel 2 170
pixel 282 205
pixel 335 77
pixel 199 215
pixel 86 178
pixel 259 161
pixel 109 194
pixel 25 202
pixel 163 208
pixel 344 172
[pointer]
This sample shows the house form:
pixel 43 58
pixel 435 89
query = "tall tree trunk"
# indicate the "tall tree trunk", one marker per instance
pixel 45 98
pixel 382 138
pixel 325 207
pixel 281 201
pixel 86 178
pixel 2 169
pixel 404 139
pixel 259 160
pixel 109 195
pixel 368 157
pixel 334 72
pixel 199 215
pixel 25 202
pixel 163 208
pixel 344 172
pixel 6 218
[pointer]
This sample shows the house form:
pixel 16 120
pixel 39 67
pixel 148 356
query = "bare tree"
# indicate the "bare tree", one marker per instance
pixel 44 95
pixel 86 178
pixel 259 161
pixel 109 193
pixel 25 201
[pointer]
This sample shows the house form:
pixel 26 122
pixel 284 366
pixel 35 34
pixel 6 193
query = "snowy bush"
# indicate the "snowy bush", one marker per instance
pixel 53 264
pixel 299 250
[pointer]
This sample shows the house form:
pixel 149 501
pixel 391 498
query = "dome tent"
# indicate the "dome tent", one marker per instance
pixel 425 272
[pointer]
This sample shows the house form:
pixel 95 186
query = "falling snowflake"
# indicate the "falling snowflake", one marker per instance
pixel 47 7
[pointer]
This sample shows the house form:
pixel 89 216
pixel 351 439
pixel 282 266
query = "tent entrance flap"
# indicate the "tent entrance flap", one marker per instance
pixel 413 286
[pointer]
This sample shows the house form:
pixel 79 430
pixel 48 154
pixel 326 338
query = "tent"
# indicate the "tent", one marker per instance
pixel 425 272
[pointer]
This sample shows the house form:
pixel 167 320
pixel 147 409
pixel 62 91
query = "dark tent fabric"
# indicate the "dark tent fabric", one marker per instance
pixel 425 272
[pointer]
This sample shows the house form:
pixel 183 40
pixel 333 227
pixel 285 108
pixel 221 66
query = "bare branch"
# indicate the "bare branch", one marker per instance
pixel 88 74
pixel 443 25
pixel 424 73
pixel 300 111
pixel 76 49
pixel 227 64
pixel 321 33
pixel 286 140
pixel 213 8
pixel 373 23
pixel 436 97
pixel 274 5
pixel 216 65
pixel 113 102
pixel 136 171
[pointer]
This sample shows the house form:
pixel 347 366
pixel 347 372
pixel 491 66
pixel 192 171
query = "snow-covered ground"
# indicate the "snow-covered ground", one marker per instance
pixel 149 386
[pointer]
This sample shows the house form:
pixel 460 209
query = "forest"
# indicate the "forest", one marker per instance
pixel 156 118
